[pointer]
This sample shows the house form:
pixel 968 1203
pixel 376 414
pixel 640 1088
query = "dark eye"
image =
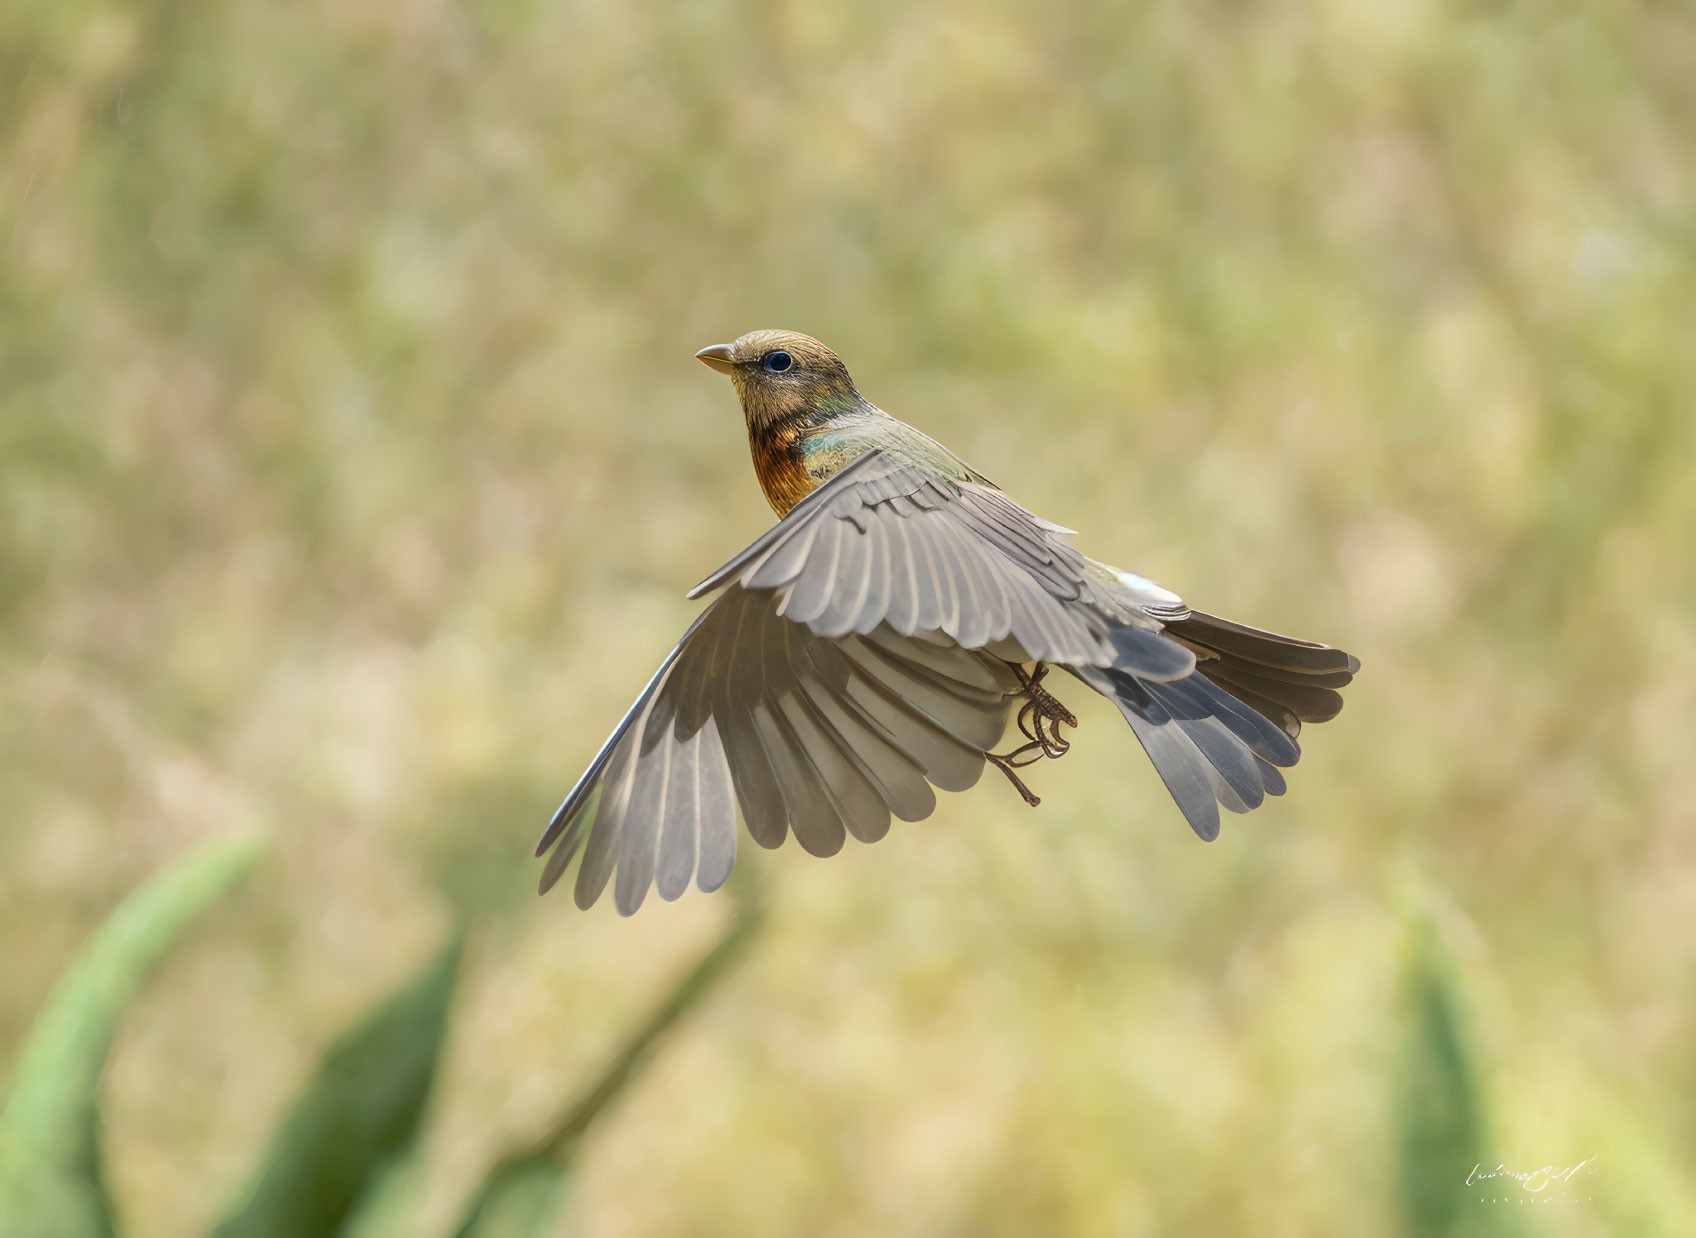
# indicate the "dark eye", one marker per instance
pixel 777 362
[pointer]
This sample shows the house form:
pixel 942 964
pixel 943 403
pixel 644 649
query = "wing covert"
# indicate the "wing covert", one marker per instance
pixel 884 542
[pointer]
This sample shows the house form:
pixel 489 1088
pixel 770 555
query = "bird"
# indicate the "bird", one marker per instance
pixel 873 645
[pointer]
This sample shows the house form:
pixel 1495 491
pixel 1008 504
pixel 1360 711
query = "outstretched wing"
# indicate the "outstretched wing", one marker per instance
pixel 858 655
pixel 823 737
pixel 884 542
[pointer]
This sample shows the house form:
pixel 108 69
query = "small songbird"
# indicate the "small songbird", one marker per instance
pixel 878 639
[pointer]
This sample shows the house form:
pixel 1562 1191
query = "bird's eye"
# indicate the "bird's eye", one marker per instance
pixel 778 362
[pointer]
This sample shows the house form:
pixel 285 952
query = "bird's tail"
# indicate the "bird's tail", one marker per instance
pixel 1221 734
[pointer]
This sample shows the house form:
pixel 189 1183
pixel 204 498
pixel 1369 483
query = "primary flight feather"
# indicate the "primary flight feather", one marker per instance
pixel 877 640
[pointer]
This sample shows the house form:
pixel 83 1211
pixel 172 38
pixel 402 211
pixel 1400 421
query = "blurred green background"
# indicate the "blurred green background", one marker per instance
pixel 353 463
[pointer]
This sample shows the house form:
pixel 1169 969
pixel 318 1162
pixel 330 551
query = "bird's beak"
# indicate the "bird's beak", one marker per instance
pixel 719 357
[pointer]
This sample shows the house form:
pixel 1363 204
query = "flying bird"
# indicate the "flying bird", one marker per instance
pixel 876 643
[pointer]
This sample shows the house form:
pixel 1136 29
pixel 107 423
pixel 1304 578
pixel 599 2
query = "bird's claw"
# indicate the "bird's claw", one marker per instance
pixel 1039 721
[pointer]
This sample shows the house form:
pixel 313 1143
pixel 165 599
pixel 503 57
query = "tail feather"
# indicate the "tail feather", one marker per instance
pixel 1219 735
pixel 1199 697
pixel 1257 645
pixel 1271 777
pixel 1305 701
pixel 1287 680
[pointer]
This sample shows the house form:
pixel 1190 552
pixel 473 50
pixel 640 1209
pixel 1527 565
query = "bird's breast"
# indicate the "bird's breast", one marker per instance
pixel 794 458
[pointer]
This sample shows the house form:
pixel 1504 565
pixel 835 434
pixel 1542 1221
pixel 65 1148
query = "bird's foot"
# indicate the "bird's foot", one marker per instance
pixel 1039 721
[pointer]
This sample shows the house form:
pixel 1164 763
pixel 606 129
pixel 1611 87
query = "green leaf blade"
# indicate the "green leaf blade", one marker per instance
pixel 50 1180
pixel 358 1115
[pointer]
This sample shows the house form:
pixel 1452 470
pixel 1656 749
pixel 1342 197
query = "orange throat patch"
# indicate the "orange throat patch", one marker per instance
pixel 777 463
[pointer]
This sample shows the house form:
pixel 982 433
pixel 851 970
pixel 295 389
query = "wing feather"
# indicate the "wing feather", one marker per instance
pixel 853 580
pixel 899 782
pixel 809 595
pixel 600 853
pixel 717 812
pixel 763 808
pixel 952 553
pixel 638 835
pixel 816 736
pixel 874 604
pixel 817 823
pixel 680 824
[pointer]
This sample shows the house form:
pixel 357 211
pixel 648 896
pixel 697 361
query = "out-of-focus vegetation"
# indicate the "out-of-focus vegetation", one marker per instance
pixel 50 1164
pixel 333 1155
pixel 353 462
pixel 345 1162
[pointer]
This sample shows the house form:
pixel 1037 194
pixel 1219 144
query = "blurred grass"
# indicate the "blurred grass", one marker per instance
pixel 1443 1131
pixel 360 1114
pixel 353 463
pixel 51 1173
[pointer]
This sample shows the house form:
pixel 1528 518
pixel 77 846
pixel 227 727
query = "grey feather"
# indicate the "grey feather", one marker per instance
pixel 879 580
pixel 1196 696
pixel 855 799
pixel 601 851
pixel 1266 648
pixel 780 564
pixel 818 826
pixel 1271 777
pixel 680 825
pixel 1184 771
pixel 952 551
pixel 1308 703
pixel 717 812
pixel 946 761
pixel 651 785
pixel 896 777
pixel 1228 756
pixel 1149 655
pixel 974 724
pixel 810 592
pixel 761 799
pixel 848 592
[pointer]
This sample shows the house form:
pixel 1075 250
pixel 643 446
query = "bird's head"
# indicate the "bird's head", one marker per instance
pixel 783 376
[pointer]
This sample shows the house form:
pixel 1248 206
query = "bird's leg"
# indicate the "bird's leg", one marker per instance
pixel 1039 721
pixel 1006 767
